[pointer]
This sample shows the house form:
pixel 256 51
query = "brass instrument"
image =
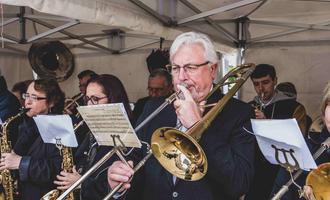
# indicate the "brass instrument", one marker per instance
pixel 186 145
pixel 51 60
pixel 72 102
pixel 67 166
pixel 313 178
pixel 178 152
pixel 319 180
pixel 190 162
pixel 5 147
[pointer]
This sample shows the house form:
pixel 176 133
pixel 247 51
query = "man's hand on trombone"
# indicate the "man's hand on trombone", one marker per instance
pixel 187 110
pixel 119 172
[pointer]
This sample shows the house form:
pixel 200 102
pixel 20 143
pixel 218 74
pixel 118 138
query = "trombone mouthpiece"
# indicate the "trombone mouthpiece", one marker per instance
pixel 179 93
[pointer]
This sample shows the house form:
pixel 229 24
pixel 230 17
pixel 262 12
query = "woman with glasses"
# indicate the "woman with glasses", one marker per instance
pixel 37 162
pixel 103 89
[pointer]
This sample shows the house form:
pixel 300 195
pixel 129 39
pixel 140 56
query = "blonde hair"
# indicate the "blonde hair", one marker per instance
pixel 326 98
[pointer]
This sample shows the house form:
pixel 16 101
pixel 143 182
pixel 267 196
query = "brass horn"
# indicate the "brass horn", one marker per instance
pixel 51 60
pixel 319 180
pixel 178 152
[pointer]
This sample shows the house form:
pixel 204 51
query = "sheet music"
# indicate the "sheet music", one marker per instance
pixel 285 134
pixel 52 127
pixel 109 119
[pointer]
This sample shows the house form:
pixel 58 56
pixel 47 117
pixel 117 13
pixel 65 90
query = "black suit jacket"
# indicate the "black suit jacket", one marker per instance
pixel 229 150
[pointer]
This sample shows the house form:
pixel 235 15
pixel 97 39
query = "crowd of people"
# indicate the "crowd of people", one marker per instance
pixel 236 168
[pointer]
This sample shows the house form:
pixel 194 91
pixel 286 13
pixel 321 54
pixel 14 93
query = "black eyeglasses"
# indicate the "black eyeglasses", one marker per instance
pixel 32 97
pixel 188 68
pixel 95 100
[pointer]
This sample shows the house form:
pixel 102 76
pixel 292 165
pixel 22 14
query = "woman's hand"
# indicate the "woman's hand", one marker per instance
pixel 10 161
pixel 66 179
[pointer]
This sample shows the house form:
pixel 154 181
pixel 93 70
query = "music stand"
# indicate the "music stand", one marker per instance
pixel 282 142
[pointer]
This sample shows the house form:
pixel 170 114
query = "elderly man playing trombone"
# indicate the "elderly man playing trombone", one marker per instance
pixel 228 147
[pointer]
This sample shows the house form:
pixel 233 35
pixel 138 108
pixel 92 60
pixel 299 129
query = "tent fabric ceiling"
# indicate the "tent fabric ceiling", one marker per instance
pixel 268 21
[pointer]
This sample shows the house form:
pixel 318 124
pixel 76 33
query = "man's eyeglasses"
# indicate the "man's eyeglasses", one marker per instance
pixel 32 97
pixel 95 100
pixel 188 68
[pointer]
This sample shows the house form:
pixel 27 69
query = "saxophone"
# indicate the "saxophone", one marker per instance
pixel 5 147
pixel 67 166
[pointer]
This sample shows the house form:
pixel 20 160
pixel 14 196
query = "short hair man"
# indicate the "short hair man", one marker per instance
pixel 159 85
pixel 271 104
pixel 228 147
pixel 84 77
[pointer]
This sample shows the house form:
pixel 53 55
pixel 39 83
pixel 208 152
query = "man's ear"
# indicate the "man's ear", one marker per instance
pixel 214 68
pixel 275 80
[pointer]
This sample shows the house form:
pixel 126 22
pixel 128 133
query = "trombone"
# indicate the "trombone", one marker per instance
pixel 71 102
pixel 185 145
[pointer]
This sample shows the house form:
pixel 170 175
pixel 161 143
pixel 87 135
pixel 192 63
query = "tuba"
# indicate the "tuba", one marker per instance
pixel 51 60
pixel 5 147
pixel 67 166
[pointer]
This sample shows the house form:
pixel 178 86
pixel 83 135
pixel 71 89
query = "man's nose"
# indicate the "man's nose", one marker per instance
pixel 182 74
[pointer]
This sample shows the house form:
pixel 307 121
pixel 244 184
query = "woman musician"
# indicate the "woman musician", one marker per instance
pixel 314 145
pixel 37 162
pixel 100 90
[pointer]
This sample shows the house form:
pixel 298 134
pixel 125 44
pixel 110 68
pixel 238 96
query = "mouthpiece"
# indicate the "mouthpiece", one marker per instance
pixel 179 93
pixel 23 110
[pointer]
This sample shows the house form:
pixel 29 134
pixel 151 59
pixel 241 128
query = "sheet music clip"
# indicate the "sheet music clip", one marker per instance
pixel 286 163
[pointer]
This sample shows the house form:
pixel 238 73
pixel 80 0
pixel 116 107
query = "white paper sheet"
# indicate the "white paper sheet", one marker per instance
pixel 52 127
pixel 285 134
pixel 109 119
pixel 1 122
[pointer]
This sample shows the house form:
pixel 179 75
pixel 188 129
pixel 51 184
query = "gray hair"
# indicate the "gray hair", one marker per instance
pixel 326 98
pixel 193 38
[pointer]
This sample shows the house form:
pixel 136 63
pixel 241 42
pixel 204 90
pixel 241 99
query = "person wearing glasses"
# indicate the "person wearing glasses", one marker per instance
pixel 37 162
pixel 159 85
pixel 103 89
pixel 228 146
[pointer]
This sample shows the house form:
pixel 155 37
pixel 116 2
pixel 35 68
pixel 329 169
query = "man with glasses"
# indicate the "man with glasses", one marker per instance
pixel 228 147
pixel 159 85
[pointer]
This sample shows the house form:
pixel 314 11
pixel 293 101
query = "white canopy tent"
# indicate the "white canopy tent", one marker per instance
pixel 293 35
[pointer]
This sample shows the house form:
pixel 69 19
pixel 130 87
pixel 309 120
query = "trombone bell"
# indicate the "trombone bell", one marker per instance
pixel 179 153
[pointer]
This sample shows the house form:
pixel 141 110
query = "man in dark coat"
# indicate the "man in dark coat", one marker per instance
pixel 228 147
pixel 159 85
pixel 270 104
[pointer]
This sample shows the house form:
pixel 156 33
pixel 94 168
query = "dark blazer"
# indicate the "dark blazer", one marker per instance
pixel 228 147
pixel 40 163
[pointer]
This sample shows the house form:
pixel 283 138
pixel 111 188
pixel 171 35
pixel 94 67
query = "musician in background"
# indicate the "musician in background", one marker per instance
pixel 103 89
pixel 19 89
pixel 159 85
pixel 228 147
pixel 270 104
pixel 9 104
pixel 37 162
pixel 83 77
pixel 283 176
